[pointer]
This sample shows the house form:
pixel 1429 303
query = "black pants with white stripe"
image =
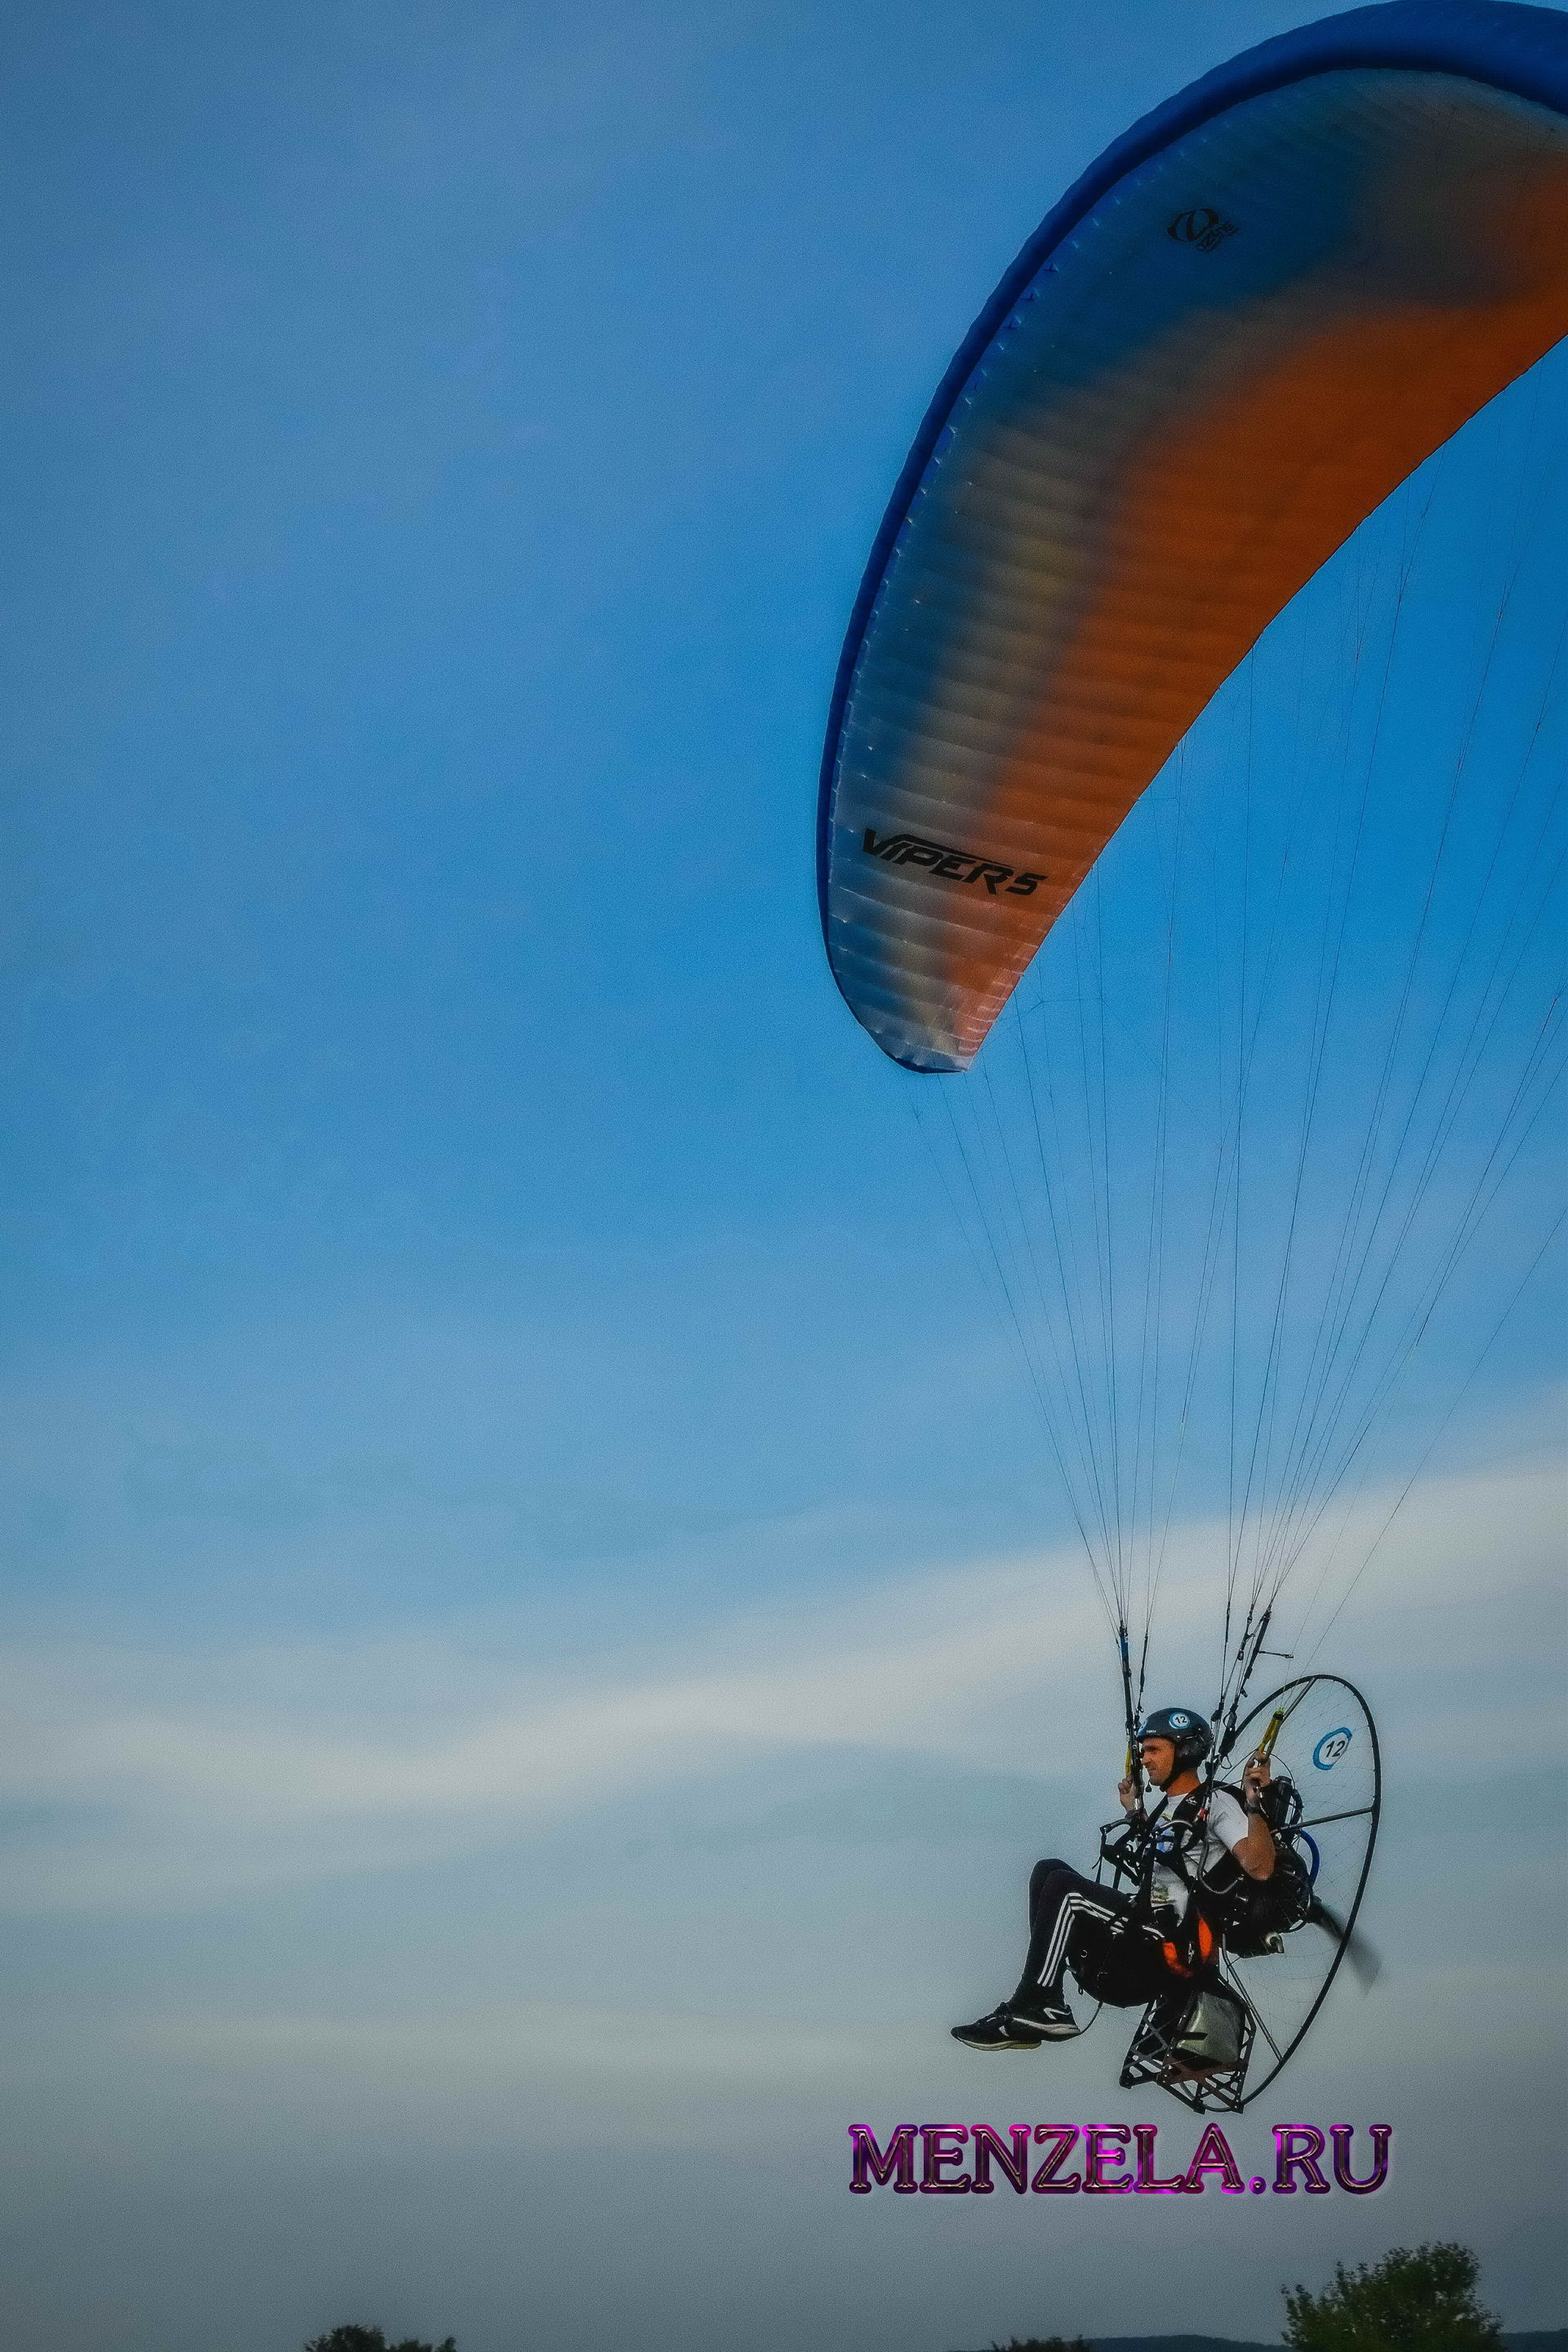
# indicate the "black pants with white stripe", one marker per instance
pixel 1076 1924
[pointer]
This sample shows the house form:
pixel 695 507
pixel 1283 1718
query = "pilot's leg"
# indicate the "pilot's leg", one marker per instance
pixel 1067 1913
pixel 1064 1906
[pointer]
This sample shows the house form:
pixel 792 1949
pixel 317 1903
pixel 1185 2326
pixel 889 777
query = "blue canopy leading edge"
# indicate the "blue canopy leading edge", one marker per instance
pixel 1248 322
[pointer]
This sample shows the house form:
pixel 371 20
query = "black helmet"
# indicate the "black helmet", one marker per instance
pixel 1186 1731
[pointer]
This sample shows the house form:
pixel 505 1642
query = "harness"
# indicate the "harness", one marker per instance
pixel 1223 1904
pixel 1135 1849
pixel 1177 1844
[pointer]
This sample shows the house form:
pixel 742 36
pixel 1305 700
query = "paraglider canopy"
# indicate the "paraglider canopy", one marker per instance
pixel 1245 325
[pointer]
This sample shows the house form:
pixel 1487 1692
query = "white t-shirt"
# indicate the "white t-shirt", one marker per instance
pixel 1223 1831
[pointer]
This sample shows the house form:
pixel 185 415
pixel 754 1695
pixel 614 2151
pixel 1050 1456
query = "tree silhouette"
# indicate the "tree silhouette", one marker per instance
pixel 1412 2300
pixel 1044 2344
pixel 371 2339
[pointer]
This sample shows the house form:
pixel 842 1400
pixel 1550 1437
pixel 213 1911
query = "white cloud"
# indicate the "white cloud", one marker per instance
pixel 522 2042
pixel 179 1774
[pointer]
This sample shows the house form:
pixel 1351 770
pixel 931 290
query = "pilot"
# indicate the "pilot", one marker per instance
pixel 1130 1948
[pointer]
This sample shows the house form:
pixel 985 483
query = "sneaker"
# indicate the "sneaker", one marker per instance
pixel 1039 2012
pixel 998 2031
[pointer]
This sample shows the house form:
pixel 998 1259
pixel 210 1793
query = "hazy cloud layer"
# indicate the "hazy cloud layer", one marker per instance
pixel 140 1778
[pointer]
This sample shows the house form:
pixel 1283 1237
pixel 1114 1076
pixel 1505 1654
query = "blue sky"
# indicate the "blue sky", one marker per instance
pixel 539 1665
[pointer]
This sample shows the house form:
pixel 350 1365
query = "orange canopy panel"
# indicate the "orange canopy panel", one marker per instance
pixel 1247 325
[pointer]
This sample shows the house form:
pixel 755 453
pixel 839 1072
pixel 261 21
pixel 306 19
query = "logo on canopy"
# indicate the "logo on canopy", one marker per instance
pixel 1202 227
pixel 1332 1746
pixel 948 865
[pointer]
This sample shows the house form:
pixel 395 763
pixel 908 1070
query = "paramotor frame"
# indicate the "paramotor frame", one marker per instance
pixel 1317 1726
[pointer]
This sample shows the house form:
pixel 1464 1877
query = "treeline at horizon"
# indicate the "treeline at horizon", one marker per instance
pixel 1416 2299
